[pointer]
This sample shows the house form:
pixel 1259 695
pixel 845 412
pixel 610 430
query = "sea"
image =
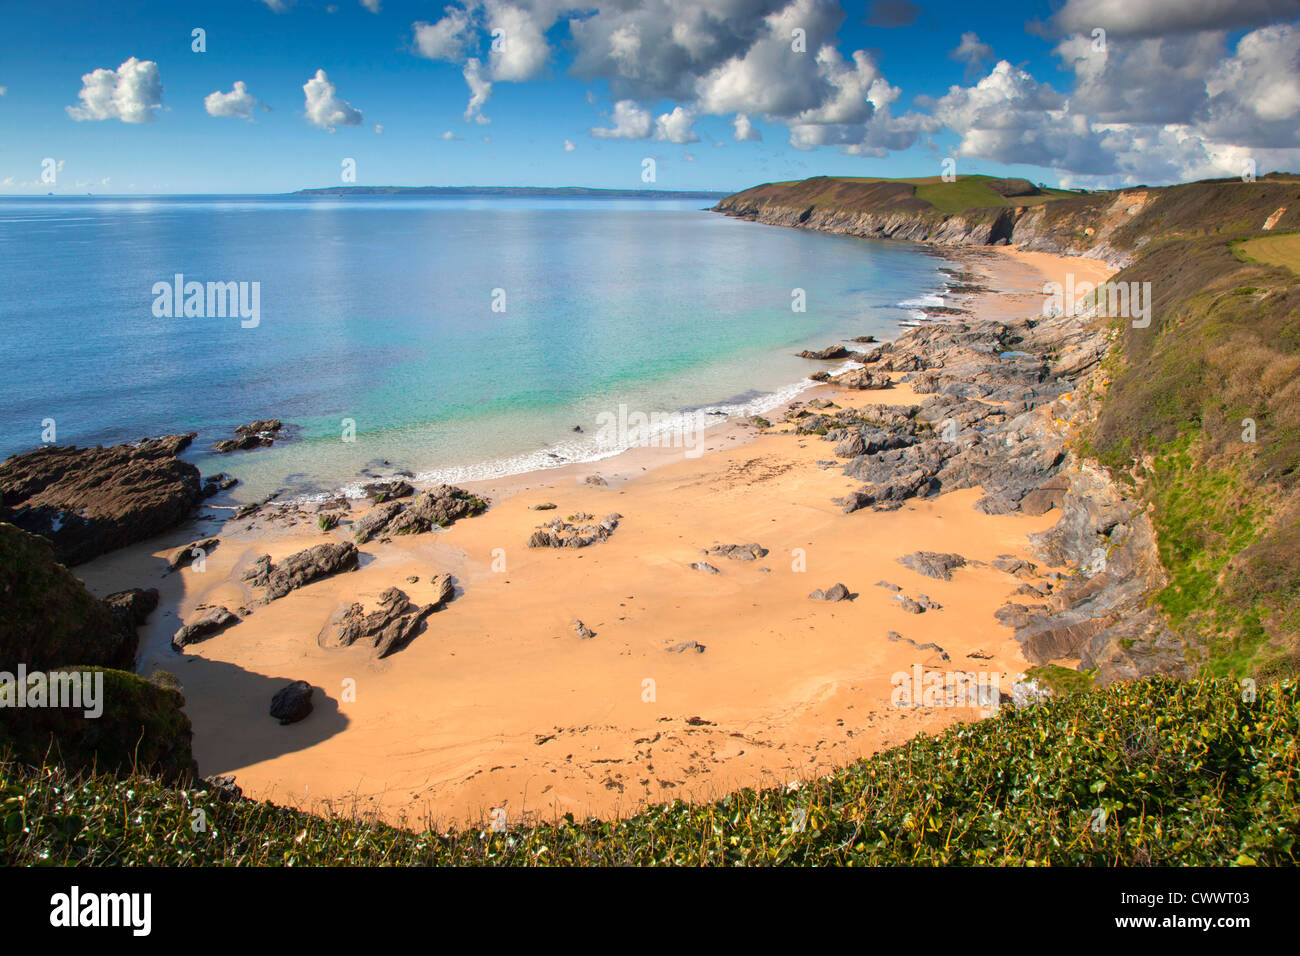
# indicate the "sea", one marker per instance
pixel 448 338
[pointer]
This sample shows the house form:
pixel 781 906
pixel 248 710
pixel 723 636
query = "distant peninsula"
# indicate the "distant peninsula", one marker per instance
pixel 536 192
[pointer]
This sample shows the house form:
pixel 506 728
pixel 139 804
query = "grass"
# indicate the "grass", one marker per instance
pixel 1184 773
pixel 1272 250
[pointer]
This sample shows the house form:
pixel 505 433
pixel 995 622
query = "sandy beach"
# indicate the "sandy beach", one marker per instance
pixel 500 705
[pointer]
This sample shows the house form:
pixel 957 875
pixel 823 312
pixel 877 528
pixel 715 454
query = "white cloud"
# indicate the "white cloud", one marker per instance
pixel 325 108
pixel 676 127
pixel 379 128
pixel 279 6
pixel 745 132
pixel 371 5
pixel 132 93
pixel 450 136
pixel 568 146
pixel 238 103
pixel 3 90
pixel 447 39
pixel 479 91
pixel 972 51
pixel 630 122
pixel 519 49
pixel 1150 18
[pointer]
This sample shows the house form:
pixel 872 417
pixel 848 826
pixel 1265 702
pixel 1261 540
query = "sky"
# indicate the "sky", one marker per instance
pixel 270 96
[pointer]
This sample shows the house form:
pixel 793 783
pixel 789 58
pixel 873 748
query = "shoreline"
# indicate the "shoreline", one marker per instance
pixel 499 705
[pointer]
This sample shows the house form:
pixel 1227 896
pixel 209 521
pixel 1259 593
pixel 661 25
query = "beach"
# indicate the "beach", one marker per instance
pixel 500 706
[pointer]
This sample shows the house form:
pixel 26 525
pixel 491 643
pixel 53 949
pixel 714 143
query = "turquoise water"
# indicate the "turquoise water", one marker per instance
pixel 380 311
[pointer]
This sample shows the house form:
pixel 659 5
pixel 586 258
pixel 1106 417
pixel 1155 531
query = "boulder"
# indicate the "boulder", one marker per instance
pixel 933 564
pixel 134 605
pixel 292 702
pixel 309 565
pixel 88 501
pixel 836 592
pixel 211 623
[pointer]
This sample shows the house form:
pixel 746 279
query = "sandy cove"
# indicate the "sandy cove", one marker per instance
pixel 499 704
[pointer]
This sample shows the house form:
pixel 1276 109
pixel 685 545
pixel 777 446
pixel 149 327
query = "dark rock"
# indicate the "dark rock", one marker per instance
pixel 836 592
pixel 387 490
pixel 595 480
pixel 705 567
pixel 134 605
pixel 186 555
pixel 212 623
pixel 933 564
pixel 830 352
pixel 564 534
pixel 376 520
pixel 259 434
pixel 88 501
pixel 738 552
pixel 908 605
pixel 685 646
pixel 309 565
pixel 582 630
pixel 292 702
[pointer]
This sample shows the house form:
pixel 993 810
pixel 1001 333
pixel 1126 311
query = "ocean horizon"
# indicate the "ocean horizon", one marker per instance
pixel 450 338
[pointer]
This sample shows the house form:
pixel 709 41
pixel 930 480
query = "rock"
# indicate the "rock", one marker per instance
pixel 292 702
pixel 908 605
pixel 925 602
pixel 309 565
pixel 395 621
pixel 577 428
pixel 89 501
pixel 387 490
pixel 932 564
pixel 413 579
pixel 685 646
pixel 582 630
pixel 191 551
pixel 1016 566
pixel 224 786
pixel 217 483
pixel 861 378
pixel 544 506
pixel 820 376
pixel 258 573
pixel 596 480
pixel 704 566
pixel 895 636
pixel 259 434
pixel 213 622
pixel 575 534
pixel 738 552
pixel 887 586
pixel 376 520
pixel 836 592
pixel 830 352
pixel 134 605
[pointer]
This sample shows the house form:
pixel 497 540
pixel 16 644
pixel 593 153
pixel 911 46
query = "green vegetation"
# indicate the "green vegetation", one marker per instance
pixel 327 522
pixel 1272 250
pixel 1184 773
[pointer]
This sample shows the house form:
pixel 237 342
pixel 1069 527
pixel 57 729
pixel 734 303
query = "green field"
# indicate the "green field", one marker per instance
pixel 1272 250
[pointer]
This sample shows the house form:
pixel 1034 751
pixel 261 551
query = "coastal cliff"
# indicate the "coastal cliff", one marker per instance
pixel 1183 470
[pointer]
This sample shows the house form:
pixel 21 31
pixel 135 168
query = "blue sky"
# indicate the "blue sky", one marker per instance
pixel 582 94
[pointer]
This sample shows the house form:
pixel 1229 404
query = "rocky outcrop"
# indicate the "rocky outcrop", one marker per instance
pixel 88 501
pixel 134 605
pixel 933 564
pixel 738 552
pixel 212 622
pixel 440 506
pixel 258 434
pixel 836 592
pixel 300 568
pixel 395 621
pixel 580 531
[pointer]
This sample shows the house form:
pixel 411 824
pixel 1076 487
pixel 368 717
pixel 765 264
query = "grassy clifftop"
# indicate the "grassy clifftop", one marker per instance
pixel 1153 772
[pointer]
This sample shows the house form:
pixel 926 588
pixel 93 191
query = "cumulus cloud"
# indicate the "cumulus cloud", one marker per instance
pixel 745 132
pixel 238 103
pixel 3 90
pixel 972 51
pixel 630 122
pixel 132 93
pixel 677 126
pixel 279 6
pixel 448 39
pixel 519 49
pixel 1149 18
pixel 480 89
pixel 325 109
pixel 371 5
pixel 569 147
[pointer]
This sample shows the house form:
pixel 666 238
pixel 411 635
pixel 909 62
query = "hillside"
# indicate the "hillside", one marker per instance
pixel 1154 772
pixel 1200 413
